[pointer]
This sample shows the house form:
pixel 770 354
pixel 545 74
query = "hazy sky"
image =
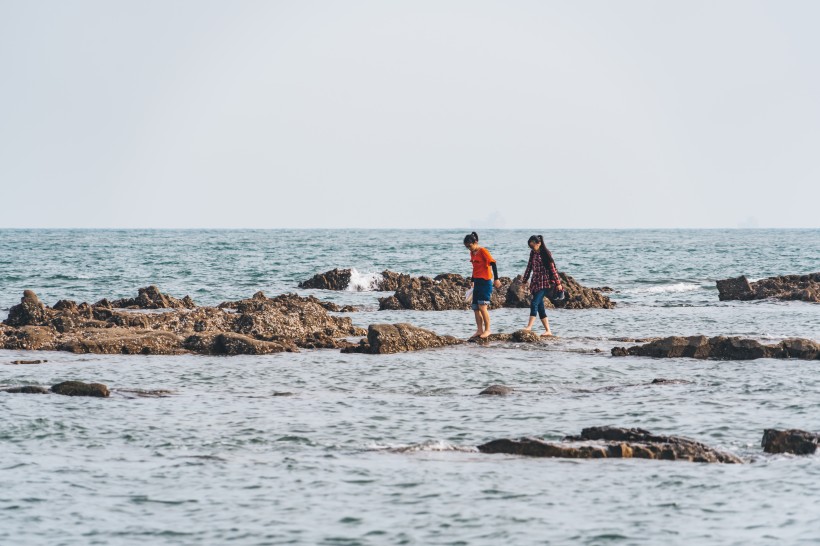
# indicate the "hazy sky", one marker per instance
pixel 409 114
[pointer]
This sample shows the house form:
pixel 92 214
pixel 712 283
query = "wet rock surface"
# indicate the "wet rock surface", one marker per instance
pixel 399 338
pixel 257 325
pixel 613 442
pixel 339 279
pixel 785 287
pixel 151 298
pixel 797 442
pixel 446 292
pixel 722 348
pixel 78 388
pixel 26 389
pixel 497 390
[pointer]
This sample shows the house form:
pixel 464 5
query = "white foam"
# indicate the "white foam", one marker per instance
pixel 666 288
pixel 428 446
pixel 363 282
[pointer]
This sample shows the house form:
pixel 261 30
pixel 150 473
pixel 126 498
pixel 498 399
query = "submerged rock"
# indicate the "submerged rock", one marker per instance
pixel 26 389
pixel 786 287
pixel 612 442
pixel 399 338
pixel 339 279
pixel 78 388
pixel 722 348
pixel 797 442
pixel 258 325
pixel 497 390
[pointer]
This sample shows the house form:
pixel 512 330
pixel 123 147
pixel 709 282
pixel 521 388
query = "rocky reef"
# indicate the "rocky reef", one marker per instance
pixel 339 279
pixel 722 348
pixel 257 325
pixel 786 287
pixel 613 442
pixel 399 338
pixel 797 442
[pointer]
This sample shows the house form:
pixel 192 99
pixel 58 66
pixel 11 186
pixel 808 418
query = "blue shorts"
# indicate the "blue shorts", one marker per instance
pixel 482 292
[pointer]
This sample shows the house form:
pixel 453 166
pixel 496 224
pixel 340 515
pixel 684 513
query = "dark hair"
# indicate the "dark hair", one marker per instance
pixel 471 238
pixel 546 255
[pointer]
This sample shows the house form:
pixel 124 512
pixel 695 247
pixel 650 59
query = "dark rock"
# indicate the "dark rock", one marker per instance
pixel 338 279
pixel 613 443
pixel 231 344
pixel 151 298
pixel 497 390
pixel 519 336
pixel 397 338
pixel 661 381
pixel 27 389
pixel 28 361
pixel 78 388
pixel 786 287
pixel 29 312
pixel 722 348
pixel 798 442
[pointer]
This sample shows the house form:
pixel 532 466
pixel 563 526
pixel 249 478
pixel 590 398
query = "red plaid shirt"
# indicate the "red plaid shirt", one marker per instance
pixel 541 278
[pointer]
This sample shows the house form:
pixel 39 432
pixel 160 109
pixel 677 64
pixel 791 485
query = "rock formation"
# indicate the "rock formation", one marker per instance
pixel 446 292
pixel 722 348
pixel 339 279
pixel 798 442
pixel 497 390
pixel 399 338
pixel 786 287
pixel 78 388
pixel 258 325
pixel 611 442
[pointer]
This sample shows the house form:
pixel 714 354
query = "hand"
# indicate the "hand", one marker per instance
pixel 497 283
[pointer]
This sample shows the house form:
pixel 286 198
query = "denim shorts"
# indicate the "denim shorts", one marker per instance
pixel 482 292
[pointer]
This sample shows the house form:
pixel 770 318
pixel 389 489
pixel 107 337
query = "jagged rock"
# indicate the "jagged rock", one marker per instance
pixel 798 442
pixel 613 443
pixel 662 381
pixel 786 287
pixel 446 292
pixel 78 388
pixel 258 325
pixel 722 348
pixel 519 336
pixel 30 311
pixel 29 361
pixel 497 390
pixel 26 389
pixel 398 338
pixel 151 298
pixel 337 279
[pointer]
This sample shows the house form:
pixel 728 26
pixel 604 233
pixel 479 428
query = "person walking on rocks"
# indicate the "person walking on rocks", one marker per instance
pixel 545 281
pixel 485 275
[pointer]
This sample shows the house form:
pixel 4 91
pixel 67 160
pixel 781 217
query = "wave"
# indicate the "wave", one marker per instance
pixel 428 446
pixel 363 282
pixel 666 288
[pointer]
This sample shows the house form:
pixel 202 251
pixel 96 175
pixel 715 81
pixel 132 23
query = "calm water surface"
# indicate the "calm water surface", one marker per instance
pixel 380 449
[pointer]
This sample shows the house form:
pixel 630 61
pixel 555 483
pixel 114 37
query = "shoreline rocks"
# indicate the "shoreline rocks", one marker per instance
pixel 399 338
pixel 257 325
pixel 785 287
pixel 722 348
pixel 339 279
pixel 613 442
pixel 794 441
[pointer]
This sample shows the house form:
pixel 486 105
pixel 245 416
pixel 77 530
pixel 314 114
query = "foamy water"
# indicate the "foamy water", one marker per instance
pixel 320 447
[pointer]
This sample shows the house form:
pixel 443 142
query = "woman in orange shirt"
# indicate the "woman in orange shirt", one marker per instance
pixel 482 283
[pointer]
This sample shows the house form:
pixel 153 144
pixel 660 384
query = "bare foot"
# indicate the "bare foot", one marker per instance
pixel 528 328
pixel 485 335
pixel 547 334
pixel 476 334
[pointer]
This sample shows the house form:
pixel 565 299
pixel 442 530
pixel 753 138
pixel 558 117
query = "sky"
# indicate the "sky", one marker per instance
pixel 409 114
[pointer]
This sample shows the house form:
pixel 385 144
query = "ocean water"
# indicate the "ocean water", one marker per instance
pixel 320 447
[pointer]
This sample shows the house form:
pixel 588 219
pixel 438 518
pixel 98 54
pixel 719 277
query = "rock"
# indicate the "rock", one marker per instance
pixel 497 390
pixel 338 279
pixel 27 389
pixel 722 348
pixel 519 336
pixel 258 325
pixel 613 443
pixel 786 287
pixel 29 312
pixel 398 338
pixel 662 381
pixel 798 442
pixel 28 361
pixel 446 292
pixel 151 298
pixel 78 388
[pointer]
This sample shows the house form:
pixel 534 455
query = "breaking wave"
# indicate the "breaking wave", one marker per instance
pixel 429 445
pixel 363 282
pixel 666 288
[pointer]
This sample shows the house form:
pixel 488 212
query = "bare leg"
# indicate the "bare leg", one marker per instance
pixel 486 316
pixel 546 322
pixel 530 322
pixel 479 323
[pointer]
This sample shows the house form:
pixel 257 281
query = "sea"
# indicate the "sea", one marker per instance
pixel 320 447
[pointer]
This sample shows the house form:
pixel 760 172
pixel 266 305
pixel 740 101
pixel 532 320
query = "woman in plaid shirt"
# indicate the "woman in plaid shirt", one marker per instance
pixel 545 281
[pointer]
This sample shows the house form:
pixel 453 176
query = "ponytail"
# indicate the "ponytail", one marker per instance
pixel 546 255
pixel 471 238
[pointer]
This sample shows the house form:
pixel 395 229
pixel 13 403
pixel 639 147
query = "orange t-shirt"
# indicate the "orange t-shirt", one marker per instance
pixel 481 260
